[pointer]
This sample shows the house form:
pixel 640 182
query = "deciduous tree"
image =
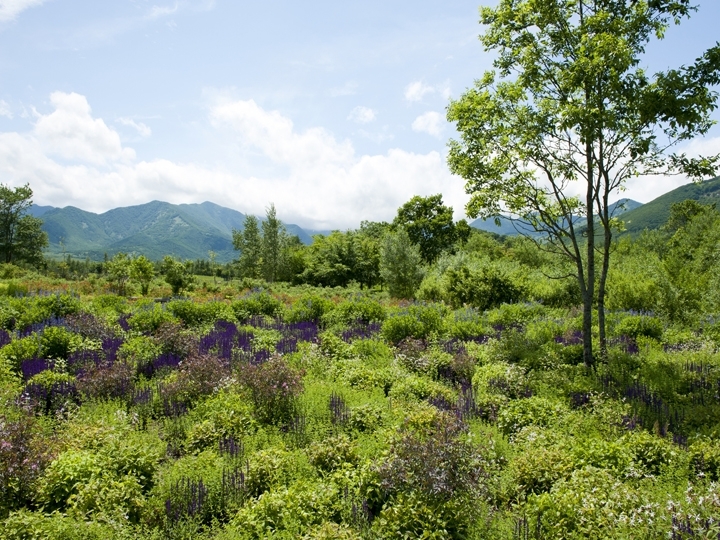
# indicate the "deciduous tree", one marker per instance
pixel 569 115
pixel 21 235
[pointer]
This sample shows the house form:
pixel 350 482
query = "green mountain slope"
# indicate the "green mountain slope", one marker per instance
pixel 655 213
pixel 510 228
pixel 155 229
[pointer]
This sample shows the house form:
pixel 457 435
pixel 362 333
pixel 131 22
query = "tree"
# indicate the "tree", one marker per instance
pixel 142 270
pixel 429 224
pixel 177 274
pixel 118 272
pixel 249 243
pixel 400 264
pixel 21 236
pixel 570 116
pixel 274 238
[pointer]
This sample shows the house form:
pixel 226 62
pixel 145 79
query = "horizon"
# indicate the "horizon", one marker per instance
pixel 334 114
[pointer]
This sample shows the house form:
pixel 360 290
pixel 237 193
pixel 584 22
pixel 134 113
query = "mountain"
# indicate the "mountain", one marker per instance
pixel 155 229
pixel 509 227
pixel 655 213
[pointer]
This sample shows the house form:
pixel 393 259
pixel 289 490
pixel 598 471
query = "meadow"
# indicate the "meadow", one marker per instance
pixel 266 410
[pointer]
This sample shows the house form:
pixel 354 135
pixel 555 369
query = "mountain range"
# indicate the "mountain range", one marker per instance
pixel 155 229
pixel 191 231
pixel 636 216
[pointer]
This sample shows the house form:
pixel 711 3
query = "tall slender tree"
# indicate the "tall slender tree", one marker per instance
pixel 21 235
pixel 569 116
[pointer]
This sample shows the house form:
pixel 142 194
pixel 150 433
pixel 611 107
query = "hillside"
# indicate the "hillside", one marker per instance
pixel 655 213
pixel 508 228
pixel 155 229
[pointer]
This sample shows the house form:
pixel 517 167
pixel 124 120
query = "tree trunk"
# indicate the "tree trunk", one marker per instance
pixel 589 292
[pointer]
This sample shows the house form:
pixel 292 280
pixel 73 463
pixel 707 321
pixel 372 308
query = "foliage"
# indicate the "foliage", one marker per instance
pixel 118 270
pixel 429 225
pixel 273 387
pixel 21 236
pixel 400 264
pixel 177 274
pixel 249 243
pixel 142 270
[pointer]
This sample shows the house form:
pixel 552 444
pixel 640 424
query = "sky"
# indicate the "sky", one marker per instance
pixel 332 111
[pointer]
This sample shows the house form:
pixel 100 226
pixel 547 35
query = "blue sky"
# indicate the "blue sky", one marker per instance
pixel 334 111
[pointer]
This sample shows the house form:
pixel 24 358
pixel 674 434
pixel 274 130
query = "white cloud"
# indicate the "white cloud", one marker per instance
pixel 361 115
pixel 9 9
pixel 142 129
pixel 416 91
pixel 430 122
pixel 71 133
pixel 5 109
pixel 313 179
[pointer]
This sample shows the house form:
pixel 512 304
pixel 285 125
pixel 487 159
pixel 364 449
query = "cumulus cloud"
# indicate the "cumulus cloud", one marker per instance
pixel 313 178
pixel 9 9
pixel 431 123
pixel 142 129
pixel 71 133
pixel 361 115
pixel 416 91
pixel 5 109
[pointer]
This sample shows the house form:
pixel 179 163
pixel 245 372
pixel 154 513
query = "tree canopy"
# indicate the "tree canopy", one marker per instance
pixel 21 236
pixel 569 115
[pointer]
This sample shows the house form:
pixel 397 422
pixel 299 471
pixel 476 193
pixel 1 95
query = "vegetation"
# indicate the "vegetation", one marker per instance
pixel 21 238
pixel 569 116
pixel 250 409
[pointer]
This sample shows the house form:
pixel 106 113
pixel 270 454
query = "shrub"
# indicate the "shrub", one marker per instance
pixel 21 349
pixel 257 304
pixel 332 453
pixel 412 387
pixel 309 307
pixel 268 469
pixel 589 504
pixel 149 319
pixel 89 326
pixel 107 381
pixel 273 387
pixel 57 342
pixel 485 288
pixel 23 458
pixel 198 376
pixel 195 314
pixel 174 339
pixel 535 410
pixel 350 311
pixel 635 326
pixel 705 458
pixel 417 321
pixel 26 525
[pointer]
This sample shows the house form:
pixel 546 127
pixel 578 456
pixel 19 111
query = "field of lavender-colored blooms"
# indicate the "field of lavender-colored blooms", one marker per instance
pixel 301 412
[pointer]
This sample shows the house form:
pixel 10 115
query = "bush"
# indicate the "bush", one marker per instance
pixel 198 376
pixel 537 411
pixel 350 311
pixel 107 381
pixel 635 326
pixel 269 469
pixel 332 453
pixel 195 314
pixel 257 304
pixel 274 387
pixel 21 349
pixel 57 342
pixel 484 289
pixel 150 318
pixel 417 321
pixel 309 307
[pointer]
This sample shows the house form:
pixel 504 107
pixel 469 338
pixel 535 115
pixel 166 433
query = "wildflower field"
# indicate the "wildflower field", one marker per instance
pixel 301 412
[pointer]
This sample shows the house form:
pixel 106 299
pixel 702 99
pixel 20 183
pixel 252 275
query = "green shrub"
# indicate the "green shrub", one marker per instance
pixel 273 387
pixel 484 288
pixel 288 512
pixel 409 515
pixel 150 318
pixel 26 525
pixel 269 469
pixel 358 309
pixel 592 503
pixel 535 410
pixel 640 325
pixel 309 307
pixel 417 321
pixel 57 342
pixel 195 314
pixel 332 453
pixel 21 349
pixel 705 458
pixel 257 304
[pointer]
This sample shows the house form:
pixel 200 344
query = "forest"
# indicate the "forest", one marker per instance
pixel 446 397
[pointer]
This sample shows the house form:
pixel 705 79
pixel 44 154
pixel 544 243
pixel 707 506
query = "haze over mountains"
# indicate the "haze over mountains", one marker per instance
pixel 191 231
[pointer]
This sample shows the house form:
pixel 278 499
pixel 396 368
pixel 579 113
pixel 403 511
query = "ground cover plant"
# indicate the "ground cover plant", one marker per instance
pixel 308 412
